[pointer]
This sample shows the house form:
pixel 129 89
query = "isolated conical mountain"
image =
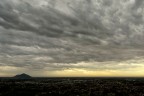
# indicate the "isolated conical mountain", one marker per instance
pixel 22 76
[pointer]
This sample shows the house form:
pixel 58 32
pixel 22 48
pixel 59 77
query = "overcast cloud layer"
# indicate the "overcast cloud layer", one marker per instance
pixel 59 34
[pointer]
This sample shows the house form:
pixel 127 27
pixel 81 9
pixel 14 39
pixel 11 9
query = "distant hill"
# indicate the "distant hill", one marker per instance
pixel 22 76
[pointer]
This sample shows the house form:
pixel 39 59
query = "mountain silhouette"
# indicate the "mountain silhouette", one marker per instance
pixel 22 76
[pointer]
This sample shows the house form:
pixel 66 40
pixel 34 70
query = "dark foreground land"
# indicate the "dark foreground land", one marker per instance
pixel 72 87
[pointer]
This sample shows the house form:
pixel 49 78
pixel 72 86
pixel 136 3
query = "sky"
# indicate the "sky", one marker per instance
pixel 70 38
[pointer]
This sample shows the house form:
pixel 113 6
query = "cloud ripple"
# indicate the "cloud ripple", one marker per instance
pixel 43 33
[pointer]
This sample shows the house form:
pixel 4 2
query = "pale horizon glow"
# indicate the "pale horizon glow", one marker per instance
pixel 107 70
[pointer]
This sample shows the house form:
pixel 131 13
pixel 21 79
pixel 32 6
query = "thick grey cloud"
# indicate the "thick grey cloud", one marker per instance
pixel 37 34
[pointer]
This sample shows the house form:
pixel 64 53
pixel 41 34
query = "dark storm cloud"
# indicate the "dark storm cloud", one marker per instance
pixel 41 33
pixel 138 4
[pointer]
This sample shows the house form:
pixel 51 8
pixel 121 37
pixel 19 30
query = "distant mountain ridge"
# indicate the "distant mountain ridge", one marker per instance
pixel 22 76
